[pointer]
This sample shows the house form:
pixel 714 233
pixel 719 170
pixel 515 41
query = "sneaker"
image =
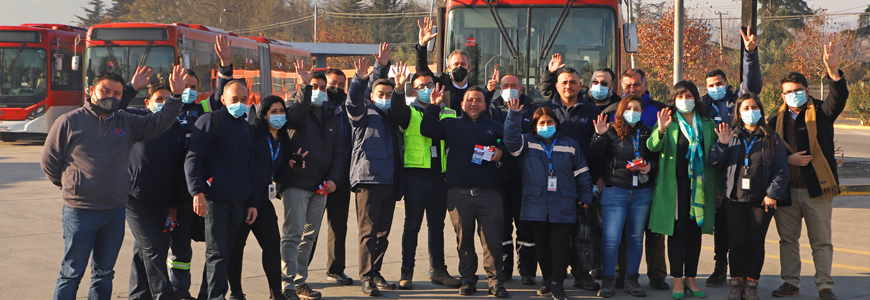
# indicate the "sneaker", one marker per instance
pixel 290 294
pixel 827 294
pixel 750 290
pixel 339 279
pixel 237 296
pixel 785 290
pixel 406 279
pixel 440 276
pixel 633 287
pixel 585 281
pixel 467 289
pixel 557 291
pixel 544 290
pixel 305 292
pixel 498 291
pixel 659 284
pixel 528 280
pixel 736 291
pixel 608 285
pixel 719 275
pixel 382 283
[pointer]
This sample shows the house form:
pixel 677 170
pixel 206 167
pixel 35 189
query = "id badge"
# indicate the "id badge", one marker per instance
pixel 477 158
pixel 634 180
pixel 273 192
pixel 718 119
pixel 551 183
pixel 744 183
pixel 434 151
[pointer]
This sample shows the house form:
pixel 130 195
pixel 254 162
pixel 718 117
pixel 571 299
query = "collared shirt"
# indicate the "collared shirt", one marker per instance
pixel 460 87
pixel 793 114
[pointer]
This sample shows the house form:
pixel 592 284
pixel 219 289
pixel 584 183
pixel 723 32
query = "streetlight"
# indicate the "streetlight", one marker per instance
pixel 221 20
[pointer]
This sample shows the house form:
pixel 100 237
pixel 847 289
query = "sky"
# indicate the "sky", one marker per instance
pixel 16 12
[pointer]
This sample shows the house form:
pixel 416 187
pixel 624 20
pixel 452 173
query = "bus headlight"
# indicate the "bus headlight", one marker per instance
pixel 39 111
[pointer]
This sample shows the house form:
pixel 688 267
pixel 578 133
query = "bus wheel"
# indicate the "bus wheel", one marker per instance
pixel 8 137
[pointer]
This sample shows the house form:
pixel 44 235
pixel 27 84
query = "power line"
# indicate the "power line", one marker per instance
pixel 777 18
pixel 336 15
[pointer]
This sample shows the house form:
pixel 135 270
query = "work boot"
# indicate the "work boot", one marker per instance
pixel 633 287
pixel 659 284
pixel 557 291
pixel 528 280
pixel 719 275
pixel 290 294
pixel 498 291
pixel 405 281
pixel 545 289
pixel 441 277
pixel 750 290
pixel 736 291
pixel 305 292
pixel 827 294
pixel 596 273
pixel 785 290
pixel 608 285
pixel 382 283
pixel 585 281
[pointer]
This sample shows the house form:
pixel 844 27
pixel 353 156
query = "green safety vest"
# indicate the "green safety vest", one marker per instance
pixel 418 153
pixel 204 104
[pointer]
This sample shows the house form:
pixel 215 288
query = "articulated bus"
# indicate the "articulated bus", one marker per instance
pixel 265 65
pixel 37 81
pixel 520 35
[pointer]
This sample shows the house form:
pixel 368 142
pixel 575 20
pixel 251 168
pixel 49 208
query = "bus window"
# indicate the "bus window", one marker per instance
pixel 245 59
pixel 203 61
pixel 66 79
pixel 22 74
pixel 160 59
pixel 290 85
pixel 277 86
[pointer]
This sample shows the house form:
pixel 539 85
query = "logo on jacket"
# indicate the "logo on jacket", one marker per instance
pixel 583 120
pixel 119 131
pixel 564 143
pixel 489 132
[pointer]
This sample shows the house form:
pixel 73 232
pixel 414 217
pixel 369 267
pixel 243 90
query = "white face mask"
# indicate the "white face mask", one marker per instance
pixel 508 94
pixel 685 106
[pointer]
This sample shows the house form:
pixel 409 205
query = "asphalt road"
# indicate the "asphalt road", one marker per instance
pixel 31 246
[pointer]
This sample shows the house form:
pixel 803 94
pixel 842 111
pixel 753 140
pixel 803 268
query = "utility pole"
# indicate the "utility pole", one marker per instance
pixel 315 24
pixel 678 40
pixel 721 40
pixel 631 20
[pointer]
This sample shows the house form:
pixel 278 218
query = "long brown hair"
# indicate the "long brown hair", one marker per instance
pixel 619 123
pixel 737 121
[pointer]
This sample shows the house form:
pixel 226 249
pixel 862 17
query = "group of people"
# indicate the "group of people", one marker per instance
pixel 630 168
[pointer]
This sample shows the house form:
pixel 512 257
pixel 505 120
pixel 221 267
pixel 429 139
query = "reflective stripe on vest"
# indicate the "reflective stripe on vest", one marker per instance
pixel 417 147
pixel 178 265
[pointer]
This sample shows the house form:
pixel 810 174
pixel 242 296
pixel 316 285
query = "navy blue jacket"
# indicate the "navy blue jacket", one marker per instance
pixel 497 110
pixel 724 108
pixel 320 136
pixel 576 121
pixel 223 156
pixel 573 183
pixel 376 141
pixel 775 163
pixel 267 169
pixel 460 136
pixel 157 166
pixel 649 116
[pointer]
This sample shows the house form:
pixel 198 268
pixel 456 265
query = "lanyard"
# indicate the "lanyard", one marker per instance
pixel 746 159
pixel 636 140
pixel 274 156
pixel 716 107
pixel 549 154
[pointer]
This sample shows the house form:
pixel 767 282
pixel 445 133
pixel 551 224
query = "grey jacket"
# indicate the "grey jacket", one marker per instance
pixel 87 156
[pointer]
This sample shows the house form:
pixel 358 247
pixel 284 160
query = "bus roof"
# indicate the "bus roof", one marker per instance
pixel 530 2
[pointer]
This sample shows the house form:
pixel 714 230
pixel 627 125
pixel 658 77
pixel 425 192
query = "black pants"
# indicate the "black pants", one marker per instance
pixel 180 253
pixel 512 197
pixel 265 229
pixel 749 223
pixel 720 235
pixel 654 246
pixel 337 207
pixel 222 221
pixel 375 204
pixel 684 246
pixel 429 196
pixel 482 213
pixel 553 248
pixel 149 278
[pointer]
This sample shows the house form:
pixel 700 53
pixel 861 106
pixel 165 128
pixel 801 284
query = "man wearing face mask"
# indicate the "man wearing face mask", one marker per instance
pixel 807 128
pixel 511 184
pixel 317 131
pixel 602 89
pixel 455 80
pixel 86 155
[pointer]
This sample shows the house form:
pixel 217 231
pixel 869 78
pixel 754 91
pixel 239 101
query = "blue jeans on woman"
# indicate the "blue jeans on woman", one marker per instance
pixel 86 231
pixel 622 207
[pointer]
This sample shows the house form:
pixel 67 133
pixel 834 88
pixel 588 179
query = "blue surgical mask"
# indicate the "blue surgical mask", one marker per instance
pixel 630 116
pixel 188 96
pixel 237 109
pixel 382 104
pixel 424 95
pixel 751 117
pixel 317 97
pixel 547 131
pixel 598 91
pixel 156 107
pixel 685 106
pixel 277 121
pixel 796 98
pixel 508 94
pixel 717 92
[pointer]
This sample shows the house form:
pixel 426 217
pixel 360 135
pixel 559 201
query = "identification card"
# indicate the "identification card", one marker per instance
pixel 487 153
pixel 634 180
pixel 718 119
pixel 477 157
pixel 273 191
pixel 745 183
pixel 434 151
pixel 551 183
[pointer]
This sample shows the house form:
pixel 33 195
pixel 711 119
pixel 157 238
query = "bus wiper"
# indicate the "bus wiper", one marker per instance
pixel 546 47
pixel 501 29
pixel 111 55
pixel 145 55
pixel 14 57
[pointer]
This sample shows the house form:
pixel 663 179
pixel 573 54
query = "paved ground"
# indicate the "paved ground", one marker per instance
pixel 31 246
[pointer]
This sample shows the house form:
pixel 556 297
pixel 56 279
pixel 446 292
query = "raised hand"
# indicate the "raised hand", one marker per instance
pixel 664 119
pixel 515 105
pixel 141 78
pixel 362 68
pixel 555 63
pixel 426 34
pixel 832 60
pixel 437 94
pixel 383 56
pixel 401 73
pixel 177 79
pixel 223 49
pixel 601 125
pixel 304 74
pixel 724 132
pixel 493 82
pixel 749 39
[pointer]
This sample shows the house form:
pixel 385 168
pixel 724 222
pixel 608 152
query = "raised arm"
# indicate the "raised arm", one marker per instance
pixel 719 152
pixel 547 85
pixel 426 35
pixel 835 102
pixel 138 82
pixel 152 125
pixel 225 73
pixel 356 103
pixel 297 109
pixel 398 108
pixel 654 143
pixel 751 67
pixel 513 131
pixel 431 126
pixel 381 68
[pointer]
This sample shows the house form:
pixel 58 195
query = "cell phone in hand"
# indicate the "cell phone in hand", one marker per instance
pixel 297 157
pixel 408 87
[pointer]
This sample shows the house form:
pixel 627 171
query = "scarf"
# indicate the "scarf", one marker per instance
pixel 695 156
pixel 827 182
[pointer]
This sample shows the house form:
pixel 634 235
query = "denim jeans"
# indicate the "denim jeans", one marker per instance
pixel 86 231
pixel 429 196
pixel 629 208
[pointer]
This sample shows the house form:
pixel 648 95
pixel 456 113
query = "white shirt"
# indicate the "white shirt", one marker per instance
pixel 793 114
pixel 460 87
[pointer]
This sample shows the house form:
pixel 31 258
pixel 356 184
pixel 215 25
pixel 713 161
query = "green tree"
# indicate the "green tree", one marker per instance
pixel 864 23
pixel 93 15
pixel 119 8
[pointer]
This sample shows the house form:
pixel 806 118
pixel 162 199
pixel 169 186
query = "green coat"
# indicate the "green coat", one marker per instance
pixel 661 219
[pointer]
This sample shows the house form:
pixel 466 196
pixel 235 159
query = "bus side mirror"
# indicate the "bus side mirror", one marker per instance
pixel 75 63
pixel 185 61
pixel 58 63
pixel 431 45
pixel 629 32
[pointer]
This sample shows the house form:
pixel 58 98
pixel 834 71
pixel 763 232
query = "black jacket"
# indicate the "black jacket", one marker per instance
pixel 614 153
pixel 452 95
pixel 157 166
pixel 774 165
pixel 724 108
pixel 267 169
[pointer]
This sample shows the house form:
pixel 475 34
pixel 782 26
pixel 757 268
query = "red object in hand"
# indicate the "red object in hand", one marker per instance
pixel 636 164
pixel 322 189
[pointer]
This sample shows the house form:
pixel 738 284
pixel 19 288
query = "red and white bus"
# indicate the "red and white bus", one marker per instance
pixel 37 81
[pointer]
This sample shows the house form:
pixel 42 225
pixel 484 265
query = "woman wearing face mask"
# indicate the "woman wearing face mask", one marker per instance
pixel 683 206
pixel 756 176
pixel 622 148
pixel 555 181
pixel 272 157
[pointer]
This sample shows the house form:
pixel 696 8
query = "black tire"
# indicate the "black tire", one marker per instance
pixel 8 137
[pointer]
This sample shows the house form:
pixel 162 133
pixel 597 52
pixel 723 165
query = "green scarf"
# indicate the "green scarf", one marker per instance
pixel 695 156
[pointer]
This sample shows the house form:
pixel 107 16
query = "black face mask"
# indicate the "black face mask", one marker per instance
pixel 458 74
pixel 108 105
pixel 335 94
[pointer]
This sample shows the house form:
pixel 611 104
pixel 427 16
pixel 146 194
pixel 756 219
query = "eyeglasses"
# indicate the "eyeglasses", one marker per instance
pixel 602 83
pixel 796 90
pixel 430 85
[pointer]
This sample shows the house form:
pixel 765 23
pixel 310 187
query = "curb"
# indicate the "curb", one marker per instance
pixel 854 189
pixel 844 126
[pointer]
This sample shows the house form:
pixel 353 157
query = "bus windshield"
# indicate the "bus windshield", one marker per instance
pixel 586 42
pixel 126 59
pixel 22 76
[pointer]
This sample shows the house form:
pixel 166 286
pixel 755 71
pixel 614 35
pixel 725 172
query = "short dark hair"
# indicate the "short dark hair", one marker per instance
pixel 678 89
pixel 569 70
pixel 157 87
pixel 631 72
pixel 191 73
pixel 335 72
pixel 107 76
pixel 794 77
pixel 234 82
pixel 473 88
pixel 422 74
pixel 608 70
pixel 540 112
pixel 383 81
pixel 319 75
pixel 716 72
